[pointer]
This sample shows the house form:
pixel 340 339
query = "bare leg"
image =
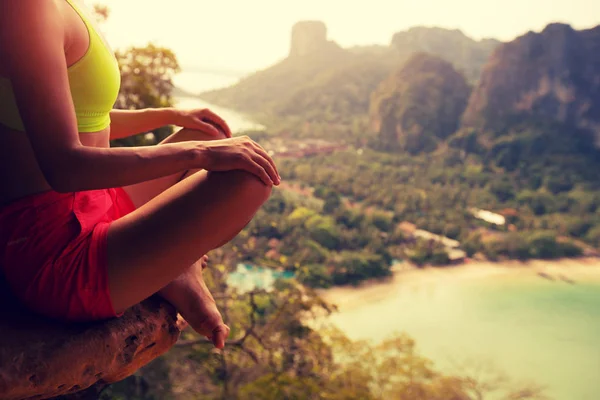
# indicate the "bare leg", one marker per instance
pixel 187 291
pixel 151 246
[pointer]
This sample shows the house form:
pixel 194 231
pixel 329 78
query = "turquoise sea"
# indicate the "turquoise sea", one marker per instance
pixel 538 332
pixel 535 330
pixel 247 277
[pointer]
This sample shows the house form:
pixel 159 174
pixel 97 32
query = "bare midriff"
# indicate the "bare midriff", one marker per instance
pixel 20 175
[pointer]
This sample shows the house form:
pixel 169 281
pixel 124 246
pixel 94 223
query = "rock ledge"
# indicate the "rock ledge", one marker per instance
pixel 41 359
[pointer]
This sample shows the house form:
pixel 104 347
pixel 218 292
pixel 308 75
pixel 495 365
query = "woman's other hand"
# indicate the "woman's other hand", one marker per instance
pixel 203 120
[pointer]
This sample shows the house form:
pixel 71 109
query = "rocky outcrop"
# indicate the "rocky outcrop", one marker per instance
pixel 419 105
pixel 321 81
pixel 41 359
pixel 549 76
pixel 466 54
pixel 308 37
pixel 261 92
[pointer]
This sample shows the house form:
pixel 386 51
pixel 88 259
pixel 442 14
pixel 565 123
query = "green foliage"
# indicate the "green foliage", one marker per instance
pixel 467 140
pixel 146 82
pixel 342 248
pixel 579 227
pixel 425 252
pixel 351 267
pixel 593 236
pixel 502 189
pixel 523 246
pixel 543 245
pixel 323 230
pixel 436 197
pixel 540 203
pixel 314 275
pixel 472 244
pixel 381 221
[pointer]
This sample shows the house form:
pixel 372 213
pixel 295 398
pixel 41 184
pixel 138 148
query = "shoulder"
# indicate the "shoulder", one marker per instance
pixel 24 19
pixel 29 23
pixel 45 12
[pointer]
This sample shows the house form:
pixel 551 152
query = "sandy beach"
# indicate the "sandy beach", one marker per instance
pixel 568 271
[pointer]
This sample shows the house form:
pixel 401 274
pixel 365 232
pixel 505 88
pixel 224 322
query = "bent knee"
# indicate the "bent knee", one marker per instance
pixel 248 187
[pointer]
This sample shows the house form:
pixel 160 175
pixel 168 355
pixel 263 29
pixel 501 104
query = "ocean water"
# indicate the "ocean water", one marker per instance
pixel 248 277
pixel 534 330
pixel 194 82
pixel 237 122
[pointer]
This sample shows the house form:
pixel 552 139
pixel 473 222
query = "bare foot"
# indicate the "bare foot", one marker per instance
pixel 190 296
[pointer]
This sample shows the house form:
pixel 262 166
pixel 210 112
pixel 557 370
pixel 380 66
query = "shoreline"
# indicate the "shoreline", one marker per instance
pixel 562 271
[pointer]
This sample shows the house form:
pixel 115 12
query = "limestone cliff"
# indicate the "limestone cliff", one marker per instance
pixel 308 37
pixel 264 90
pixel 549 76
pixel 418 105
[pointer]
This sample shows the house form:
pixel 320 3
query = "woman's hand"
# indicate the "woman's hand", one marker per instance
pixel 203 120
pixel 239 153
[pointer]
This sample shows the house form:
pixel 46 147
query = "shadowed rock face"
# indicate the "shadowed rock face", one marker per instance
pixel 418 105
pixel 41 359
pixel 553 75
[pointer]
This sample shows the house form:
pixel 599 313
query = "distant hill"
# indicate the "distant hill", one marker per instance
pixel 466 55
pixel 319 80
pixel 536 106
pixel 549 76
pixel 310 54
pixel 419 105
pixel 179 92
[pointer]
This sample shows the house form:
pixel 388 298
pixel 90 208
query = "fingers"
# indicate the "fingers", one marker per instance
pixel 207 128
pixel 267 157
pixel 215 119
pixel 257 169
pixel 181 323
pixel 245 154
pixel 219 335
pixel 267 168
pixel 264 166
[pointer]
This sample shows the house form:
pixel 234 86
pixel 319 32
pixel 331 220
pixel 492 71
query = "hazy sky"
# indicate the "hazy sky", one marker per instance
pixel 252 34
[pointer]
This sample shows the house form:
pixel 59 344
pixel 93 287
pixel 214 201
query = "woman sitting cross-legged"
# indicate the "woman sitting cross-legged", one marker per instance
pixel 87 231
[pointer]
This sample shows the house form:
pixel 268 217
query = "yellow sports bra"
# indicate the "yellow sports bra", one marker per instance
pixel 94 81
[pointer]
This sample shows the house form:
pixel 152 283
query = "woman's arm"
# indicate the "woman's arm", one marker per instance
pixel 32 43
pixel 131 122
pixel 125 123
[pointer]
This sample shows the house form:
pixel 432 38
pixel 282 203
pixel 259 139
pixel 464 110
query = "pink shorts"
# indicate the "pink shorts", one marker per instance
pixel 53 251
